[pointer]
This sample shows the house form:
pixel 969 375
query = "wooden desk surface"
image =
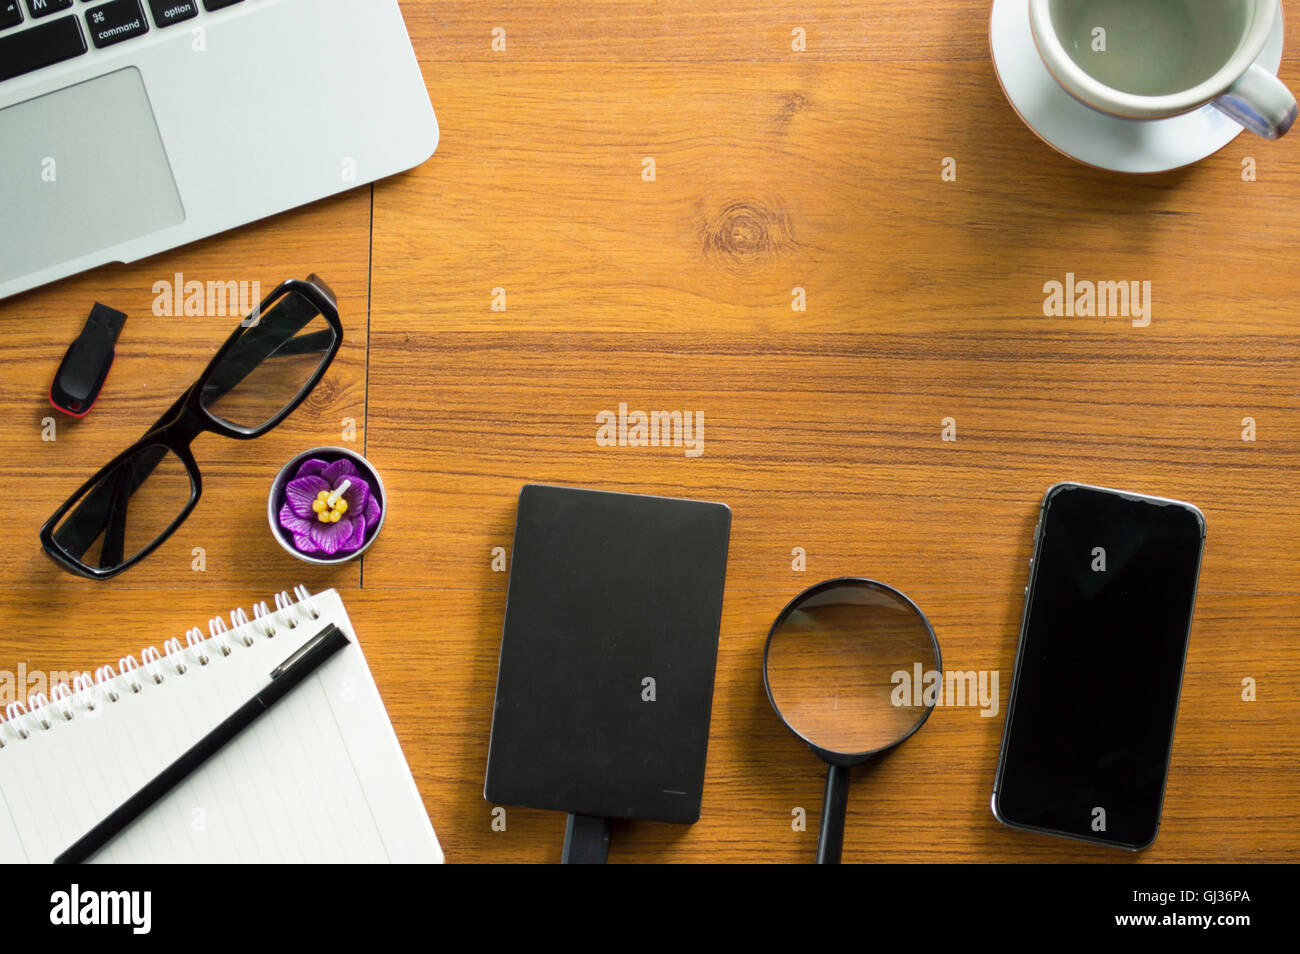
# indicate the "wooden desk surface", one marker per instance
pixel 774 170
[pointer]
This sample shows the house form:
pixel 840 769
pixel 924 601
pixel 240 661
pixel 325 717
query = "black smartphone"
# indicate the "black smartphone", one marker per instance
pixel 1094 698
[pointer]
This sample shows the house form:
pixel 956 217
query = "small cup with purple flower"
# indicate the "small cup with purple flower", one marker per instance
pixel 326 505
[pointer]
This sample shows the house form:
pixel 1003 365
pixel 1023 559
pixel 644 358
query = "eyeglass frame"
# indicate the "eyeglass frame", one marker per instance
pixel 187 418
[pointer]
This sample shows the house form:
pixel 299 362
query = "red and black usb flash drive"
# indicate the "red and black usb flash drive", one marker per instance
pixel 84 368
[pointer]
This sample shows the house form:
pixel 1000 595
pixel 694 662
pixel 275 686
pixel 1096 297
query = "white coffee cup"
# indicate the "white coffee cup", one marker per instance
pixel 1150 59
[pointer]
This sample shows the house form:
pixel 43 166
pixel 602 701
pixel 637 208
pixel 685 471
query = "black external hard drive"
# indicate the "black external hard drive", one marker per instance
pixel 608 654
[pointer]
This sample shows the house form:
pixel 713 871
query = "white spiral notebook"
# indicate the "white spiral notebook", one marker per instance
pixel 318 777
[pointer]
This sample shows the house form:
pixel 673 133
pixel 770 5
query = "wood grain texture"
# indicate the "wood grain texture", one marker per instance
pixel 822 428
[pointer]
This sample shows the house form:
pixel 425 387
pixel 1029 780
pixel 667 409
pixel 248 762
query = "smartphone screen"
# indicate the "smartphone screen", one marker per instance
pixel 1108 612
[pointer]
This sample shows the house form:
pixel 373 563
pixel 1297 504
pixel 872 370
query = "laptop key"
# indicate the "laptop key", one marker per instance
pixel 167 12
pixel 51 42
pixel 43 8
pixel 11 14
pixel 218 4
pixel 115 21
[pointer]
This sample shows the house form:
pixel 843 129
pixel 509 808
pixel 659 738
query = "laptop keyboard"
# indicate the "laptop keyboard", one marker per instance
pixel 33 37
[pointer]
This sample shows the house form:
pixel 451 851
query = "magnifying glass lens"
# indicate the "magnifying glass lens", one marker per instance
pixel 843 666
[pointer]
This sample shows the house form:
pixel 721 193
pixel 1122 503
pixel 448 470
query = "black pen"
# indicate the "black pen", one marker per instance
pixel 304 661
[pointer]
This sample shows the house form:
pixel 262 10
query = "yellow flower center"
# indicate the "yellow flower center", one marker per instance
pixel 330 507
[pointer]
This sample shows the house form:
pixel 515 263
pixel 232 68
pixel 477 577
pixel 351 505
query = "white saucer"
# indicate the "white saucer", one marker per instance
pixel 1082 133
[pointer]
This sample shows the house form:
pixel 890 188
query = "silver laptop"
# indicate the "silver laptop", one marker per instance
pixel 128 127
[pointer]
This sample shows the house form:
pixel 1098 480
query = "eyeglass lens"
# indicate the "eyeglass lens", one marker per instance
pixel 270 364
pixel 127 509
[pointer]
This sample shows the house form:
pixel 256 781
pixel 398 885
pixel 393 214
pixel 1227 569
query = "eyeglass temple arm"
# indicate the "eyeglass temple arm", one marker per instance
pixel 307 344
pixel 103 510
pixel 270 338
pixel 313 343
pixel 115 534
pixel 243 359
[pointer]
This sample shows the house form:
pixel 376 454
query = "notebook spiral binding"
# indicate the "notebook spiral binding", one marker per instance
pixel 23 721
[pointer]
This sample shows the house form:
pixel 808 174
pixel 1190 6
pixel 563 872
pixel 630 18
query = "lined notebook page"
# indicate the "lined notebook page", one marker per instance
pixel 319 777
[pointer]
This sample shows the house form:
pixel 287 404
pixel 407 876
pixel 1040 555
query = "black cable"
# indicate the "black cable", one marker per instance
pixel 586 840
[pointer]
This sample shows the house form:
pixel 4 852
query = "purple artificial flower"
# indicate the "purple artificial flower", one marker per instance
pixel 324 530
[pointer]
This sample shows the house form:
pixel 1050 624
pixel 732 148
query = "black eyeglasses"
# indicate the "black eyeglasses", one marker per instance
pixel 258 377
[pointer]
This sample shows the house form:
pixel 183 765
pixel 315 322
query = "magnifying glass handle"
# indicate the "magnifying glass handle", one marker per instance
pixel 835 805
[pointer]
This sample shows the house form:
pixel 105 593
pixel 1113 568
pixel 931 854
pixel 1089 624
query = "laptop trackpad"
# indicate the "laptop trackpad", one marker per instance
pixel 81 169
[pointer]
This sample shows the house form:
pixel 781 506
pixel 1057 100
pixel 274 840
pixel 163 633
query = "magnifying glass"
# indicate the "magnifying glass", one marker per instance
pixel 844 668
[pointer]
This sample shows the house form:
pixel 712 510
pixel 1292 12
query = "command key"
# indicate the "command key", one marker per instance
pixel 115 21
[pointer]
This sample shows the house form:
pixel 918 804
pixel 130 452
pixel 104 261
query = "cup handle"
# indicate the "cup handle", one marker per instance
pixel 1260 102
